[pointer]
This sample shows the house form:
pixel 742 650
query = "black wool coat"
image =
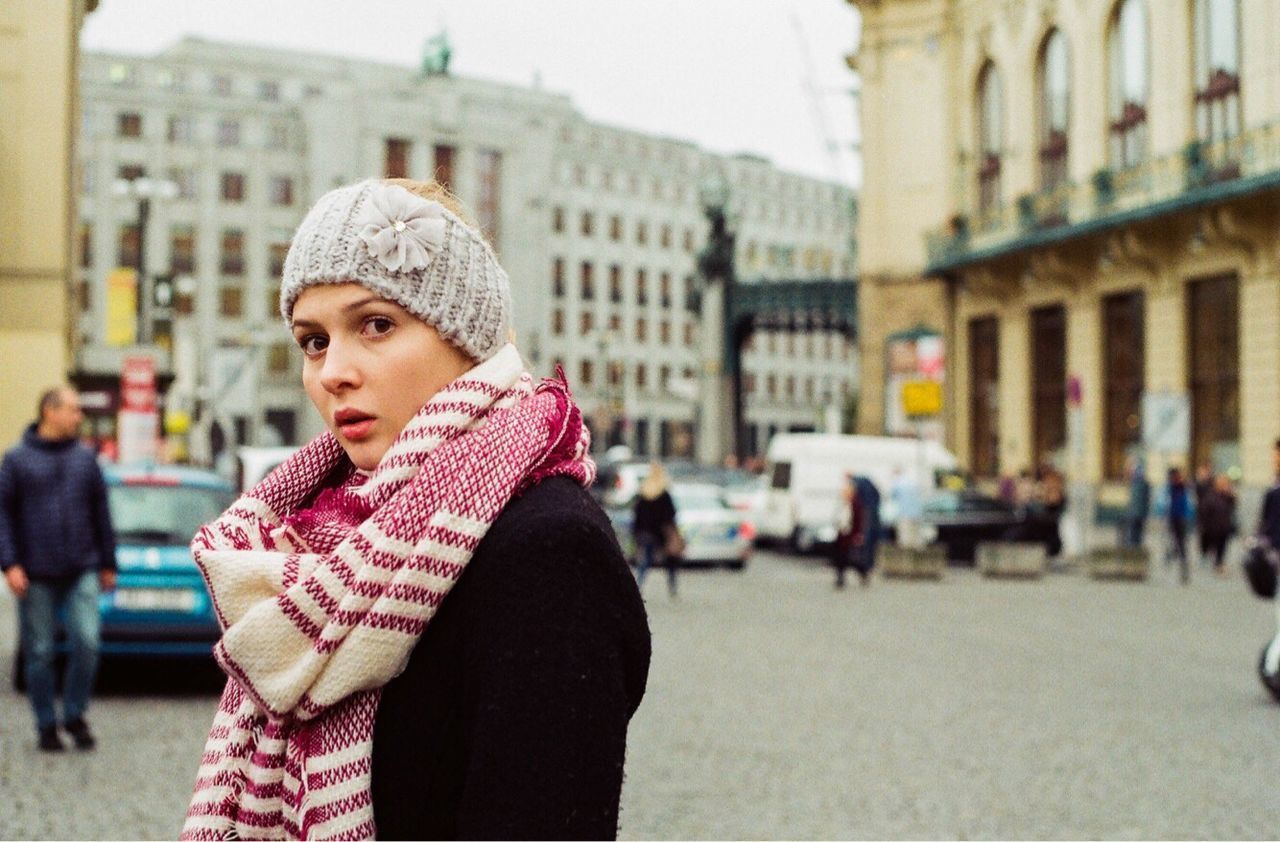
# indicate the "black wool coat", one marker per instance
pixel 510 720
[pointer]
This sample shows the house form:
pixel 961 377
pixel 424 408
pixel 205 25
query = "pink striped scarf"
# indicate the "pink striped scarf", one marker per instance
pixel 320 613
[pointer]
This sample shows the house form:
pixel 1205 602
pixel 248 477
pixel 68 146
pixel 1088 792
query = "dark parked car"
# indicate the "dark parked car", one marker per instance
pixel 963 519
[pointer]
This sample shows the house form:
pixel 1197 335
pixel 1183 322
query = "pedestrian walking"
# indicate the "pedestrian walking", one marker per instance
pixel 1177 513
pixel 430 629
pixel 848 546
pixel 658 539
pixel 870 497
pixel 1269 518
pixel 58 552
pixel 1050 503
pixel 1135 518
pixel 1216 520
pixel 1203 487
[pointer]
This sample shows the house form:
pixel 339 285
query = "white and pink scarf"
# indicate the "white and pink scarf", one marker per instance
pixel 320 612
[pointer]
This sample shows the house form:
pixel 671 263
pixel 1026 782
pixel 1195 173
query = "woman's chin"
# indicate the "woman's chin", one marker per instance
pixel 364 455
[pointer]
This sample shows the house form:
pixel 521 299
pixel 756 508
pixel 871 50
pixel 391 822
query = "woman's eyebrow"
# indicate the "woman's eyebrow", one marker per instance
pixel 346 308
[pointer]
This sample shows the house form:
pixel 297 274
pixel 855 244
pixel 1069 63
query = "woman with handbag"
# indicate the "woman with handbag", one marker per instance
pixel 420 604
pixel 658 538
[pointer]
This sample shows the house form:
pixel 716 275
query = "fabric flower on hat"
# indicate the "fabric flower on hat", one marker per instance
pixel 402 231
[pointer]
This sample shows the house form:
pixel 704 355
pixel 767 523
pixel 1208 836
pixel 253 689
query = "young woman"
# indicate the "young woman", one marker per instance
pixel 430 631
pixel 654 527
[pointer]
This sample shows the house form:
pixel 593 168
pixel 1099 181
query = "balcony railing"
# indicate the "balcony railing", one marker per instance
pixel 1200 172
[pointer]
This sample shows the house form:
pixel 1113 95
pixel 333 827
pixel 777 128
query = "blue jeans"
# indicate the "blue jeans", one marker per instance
pixel 77 599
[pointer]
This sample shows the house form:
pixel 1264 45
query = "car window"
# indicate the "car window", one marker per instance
pixel 781 475
pixel 163 514
pixel 696 498
pixel 942 504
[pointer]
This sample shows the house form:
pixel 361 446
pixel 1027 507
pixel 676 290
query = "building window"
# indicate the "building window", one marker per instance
pixel 665 237
pixel 232 187
pixel 231 261
pixel 180 129
pixel 1123 349
pixel 1055 105
pixel 231 302
pixel 586 322
pixel 489 194
pixel 86 245
pixel 615 228
pixel 614 372
pixel 127 254
pixel 222 85
pixel 615 284
pixel 642 232
pixel 642 287
pixel 1049 384
pixel 269 91
pixel 443 170
pixel 228 132
pixel 1128 57
pixel 588 372
pixel 642 376
pixel 1217 69
pixel 664 332
pixel 281 190
pixel 185 180
pixel 990 118
pixel 129 124
pixel 588 281
pixel 587 224
pixel 395 158
pixel 557 322
pixel 1213 361
pixel 688 240
pixel 984 396
pixel 615 323
pixel 280 357
pixel 557 219
pixel 557 277
pixel 182 249
pixel 642 330
pixel 130 172
pixel 664 289
pixel 276 256
pixel 690 333
pixel 278 136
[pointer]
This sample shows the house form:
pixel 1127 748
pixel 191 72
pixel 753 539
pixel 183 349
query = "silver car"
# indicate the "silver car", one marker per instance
pixel 714 533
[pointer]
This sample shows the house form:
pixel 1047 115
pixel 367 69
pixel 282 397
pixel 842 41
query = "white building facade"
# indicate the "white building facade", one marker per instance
pixel 598 227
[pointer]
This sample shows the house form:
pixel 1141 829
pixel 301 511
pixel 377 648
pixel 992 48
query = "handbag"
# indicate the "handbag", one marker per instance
pixel 672 541
pixel 1260 566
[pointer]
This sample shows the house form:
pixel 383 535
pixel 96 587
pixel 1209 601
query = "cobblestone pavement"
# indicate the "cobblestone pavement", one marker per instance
pixel 779 708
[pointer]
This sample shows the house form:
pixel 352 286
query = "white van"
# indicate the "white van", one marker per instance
pixel 254 463
pixel 806 472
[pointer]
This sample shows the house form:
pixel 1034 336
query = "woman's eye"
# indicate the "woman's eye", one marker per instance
pixel 379 325
pixel 312 345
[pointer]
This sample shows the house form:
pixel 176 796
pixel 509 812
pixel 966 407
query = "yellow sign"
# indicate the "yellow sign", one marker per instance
pixel 921 398
pixel 122 307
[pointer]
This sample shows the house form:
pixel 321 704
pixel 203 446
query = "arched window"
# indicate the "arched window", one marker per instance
pixel 1055 90
pixel 1128 50
pixel 1217 45
pixel 990 119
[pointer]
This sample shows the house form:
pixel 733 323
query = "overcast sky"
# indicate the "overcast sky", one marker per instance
pixel 730 75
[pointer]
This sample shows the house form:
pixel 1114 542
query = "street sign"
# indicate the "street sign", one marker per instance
pixel 921 398
pixel 1166 422
pixel 138 423
pixel 122 307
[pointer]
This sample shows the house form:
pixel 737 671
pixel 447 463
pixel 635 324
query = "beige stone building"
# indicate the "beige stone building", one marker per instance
pixel 39 48
pixel 1083 199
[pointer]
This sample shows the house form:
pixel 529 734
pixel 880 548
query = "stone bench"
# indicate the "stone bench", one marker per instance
pixel 912 562
pixel 1130 563
pixel 1012 559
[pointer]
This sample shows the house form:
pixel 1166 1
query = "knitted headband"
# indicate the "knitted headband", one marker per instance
pixel 409 250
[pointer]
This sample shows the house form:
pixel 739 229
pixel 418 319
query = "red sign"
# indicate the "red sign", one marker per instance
pixel 138 384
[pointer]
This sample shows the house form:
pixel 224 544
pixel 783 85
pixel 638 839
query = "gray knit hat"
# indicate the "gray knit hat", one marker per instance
pixel 407 249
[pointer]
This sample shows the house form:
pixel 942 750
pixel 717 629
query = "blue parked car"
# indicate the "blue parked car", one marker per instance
pixel 160 607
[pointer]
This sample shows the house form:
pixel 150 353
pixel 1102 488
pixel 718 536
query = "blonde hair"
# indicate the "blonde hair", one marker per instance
pixel 655 482
pixel 436 192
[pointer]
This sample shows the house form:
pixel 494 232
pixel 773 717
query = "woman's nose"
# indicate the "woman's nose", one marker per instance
pixel 341 370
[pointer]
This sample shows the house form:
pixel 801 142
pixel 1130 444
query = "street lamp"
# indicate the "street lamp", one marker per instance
pixel 144 190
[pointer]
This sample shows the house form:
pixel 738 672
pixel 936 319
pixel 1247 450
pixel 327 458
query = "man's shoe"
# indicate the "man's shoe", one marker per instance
pixel 49 739
pixel 79 731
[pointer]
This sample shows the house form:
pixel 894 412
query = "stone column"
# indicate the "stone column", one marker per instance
pixel 1259 373
pixel 1015 390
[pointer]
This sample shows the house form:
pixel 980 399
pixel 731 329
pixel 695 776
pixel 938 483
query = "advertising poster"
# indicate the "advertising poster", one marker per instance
pixel 914 358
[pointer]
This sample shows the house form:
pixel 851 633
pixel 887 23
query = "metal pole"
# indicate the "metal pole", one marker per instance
pixel 144 288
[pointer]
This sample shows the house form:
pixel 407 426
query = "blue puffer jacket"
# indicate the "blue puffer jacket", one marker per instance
pixel 54 520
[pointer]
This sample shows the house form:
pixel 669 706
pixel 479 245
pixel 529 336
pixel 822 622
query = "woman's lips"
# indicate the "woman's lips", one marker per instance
pixel 356 430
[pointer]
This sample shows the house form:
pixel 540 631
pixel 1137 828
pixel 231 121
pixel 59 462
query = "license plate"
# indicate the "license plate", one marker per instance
pixel 155 599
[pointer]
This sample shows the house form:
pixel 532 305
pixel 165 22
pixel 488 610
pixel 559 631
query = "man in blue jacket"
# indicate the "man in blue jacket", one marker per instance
pixel 57 552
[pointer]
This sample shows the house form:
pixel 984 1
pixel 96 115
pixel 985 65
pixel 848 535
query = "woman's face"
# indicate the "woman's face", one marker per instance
pixel 369 365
